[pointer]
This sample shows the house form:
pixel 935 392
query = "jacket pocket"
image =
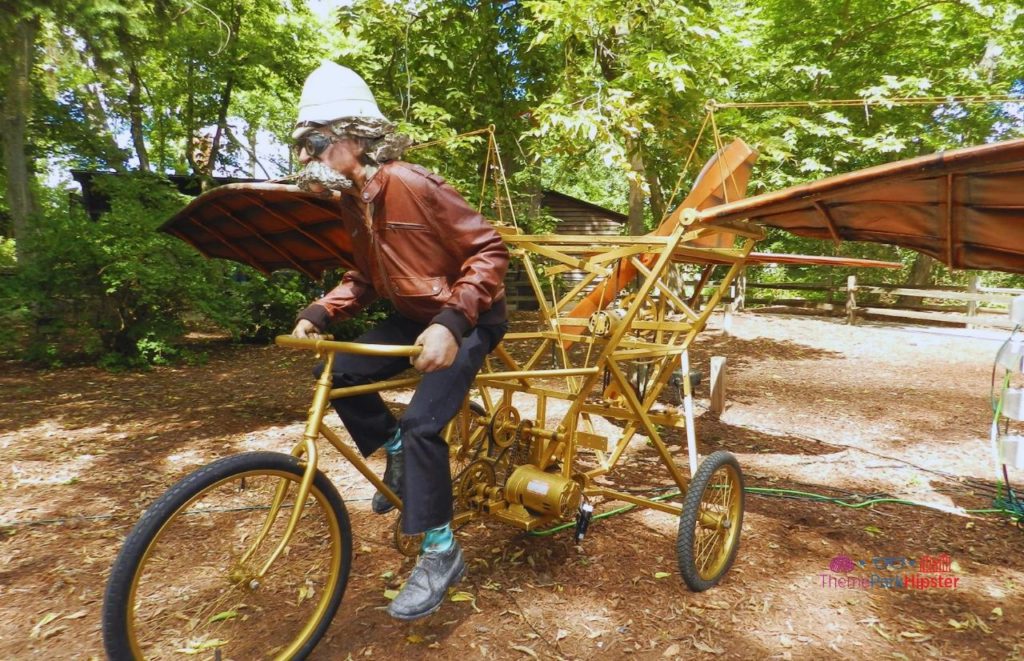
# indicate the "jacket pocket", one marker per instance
pixel 408 227
pixel 407 287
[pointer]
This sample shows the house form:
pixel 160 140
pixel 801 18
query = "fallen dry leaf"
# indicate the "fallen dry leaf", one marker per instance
pixel 703 647
pixel 49 617
pixel 525 650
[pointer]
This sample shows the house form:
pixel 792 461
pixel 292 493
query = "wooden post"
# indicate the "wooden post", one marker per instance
pixel 741 291
pixel 851 300
pixel 972 305
pixel 717 384
pixel 730 307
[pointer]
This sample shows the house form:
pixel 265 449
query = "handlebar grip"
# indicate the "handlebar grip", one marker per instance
pixel 347 347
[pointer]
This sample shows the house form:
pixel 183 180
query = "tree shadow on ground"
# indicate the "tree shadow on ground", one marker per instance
pixel 742 352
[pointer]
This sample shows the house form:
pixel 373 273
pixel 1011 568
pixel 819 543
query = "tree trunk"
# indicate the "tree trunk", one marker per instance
pixel 250 137
pixel 17 108
pixel 190 120
pixel 637 196
pixel 135 114
pixel 225 97
pixel 96 116
pixel 920 274
pixel 657 197
pixel 222 118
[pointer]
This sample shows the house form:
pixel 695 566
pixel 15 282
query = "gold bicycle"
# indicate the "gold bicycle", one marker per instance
pixel 249 556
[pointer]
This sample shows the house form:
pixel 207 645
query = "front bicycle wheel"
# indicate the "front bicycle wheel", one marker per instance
pixel 179 587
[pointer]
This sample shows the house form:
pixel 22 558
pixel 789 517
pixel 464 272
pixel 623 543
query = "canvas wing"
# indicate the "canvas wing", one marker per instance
pixel 963 207
pixel 267 227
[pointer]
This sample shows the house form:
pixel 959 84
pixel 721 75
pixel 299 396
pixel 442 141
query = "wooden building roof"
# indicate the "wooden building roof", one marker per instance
pixel 577 216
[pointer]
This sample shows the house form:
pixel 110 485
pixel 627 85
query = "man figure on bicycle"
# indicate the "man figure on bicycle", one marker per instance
pixel 441 264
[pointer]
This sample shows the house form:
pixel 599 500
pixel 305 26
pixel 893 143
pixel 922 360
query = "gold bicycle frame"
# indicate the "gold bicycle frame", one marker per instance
pixel 322 394
pixel 661 340
pixel 653 328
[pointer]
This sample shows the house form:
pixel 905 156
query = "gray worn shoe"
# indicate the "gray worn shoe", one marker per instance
pixel 428 584
pixel 393 477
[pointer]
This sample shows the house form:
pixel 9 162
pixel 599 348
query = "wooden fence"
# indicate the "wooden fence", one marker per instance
pixel 973 305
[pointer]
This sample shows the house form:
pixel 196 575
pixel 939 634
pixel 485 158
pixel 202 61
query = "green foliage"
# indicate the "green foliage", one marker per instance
pixel 595 98
pixel 264 307
pixel 876 51
pixel 7 253
pixel 194 64
pixel 118 292
pixel 108 287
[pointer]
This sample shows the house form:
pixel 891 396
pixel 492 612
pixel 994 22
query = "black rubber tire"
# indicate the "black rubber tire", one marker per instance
pixel 688 522
pixel 479 411
pixel 117 610
pixel 459 463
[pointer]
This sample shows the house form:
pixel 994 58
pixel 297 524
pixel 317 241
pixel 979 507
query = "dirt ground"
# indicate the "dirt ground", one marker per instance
pixel 814 406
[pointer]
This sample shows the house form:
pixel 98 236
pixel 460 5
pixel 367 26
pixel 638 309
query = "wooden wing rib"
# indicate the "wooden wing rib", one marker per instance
pixel 963 207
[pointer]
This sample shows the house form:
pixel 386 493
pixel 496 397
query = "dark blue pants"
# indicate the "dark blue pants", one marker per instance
pixel 428 481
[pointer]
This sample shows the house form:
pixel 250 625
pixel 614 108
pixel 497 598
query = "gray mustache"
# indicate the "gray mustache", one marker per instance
pixel 319 174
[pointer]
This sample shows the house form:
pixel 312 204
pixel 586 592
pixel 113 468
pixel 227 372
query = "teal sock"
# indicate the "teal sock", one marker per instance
pixel 394 445
pixel 438 539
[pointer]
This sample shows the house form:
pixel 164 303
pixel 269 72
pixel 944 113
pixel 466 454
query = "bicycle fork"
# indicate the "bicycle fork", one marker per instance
pixel 307 446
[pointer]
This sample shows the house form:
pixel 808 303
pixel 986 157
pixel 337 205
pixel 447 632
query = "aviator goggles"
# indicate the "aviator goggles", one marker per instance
pixel 314 143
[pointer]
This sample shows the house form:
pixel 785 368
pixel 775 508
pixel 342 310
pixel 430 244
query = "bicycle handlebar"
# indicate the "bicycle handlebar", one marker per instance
pixel 347 347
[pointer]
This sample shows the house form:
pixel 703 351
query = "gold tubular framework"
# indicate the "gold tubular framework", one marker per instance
pixel 568 397
pixel 306 449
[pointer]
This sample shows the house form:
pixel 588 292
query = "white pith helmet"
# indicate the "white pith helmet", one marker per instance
pixel 332 92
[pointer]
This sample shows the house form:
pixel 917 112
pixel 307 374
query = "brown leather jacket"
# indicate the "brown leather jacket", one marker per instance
pixel 418 243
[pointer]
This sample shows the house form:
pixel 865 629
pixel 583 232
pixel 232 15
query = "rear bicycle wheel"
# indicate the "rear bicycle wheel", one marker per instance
pixel 711 521
pixel 178 588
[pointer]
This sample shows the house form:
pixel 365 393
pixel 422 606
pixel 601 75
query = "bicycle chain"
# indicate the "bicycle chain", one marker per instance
pixel 518 451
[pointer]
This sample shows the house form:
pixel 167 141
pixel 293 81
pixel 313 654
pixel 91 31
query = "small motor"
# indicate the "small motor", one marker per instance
pixel 547 494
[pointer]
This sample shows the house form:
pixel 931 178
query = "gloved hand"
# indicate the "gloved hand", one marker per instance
pixel 439 349
pixel 306 329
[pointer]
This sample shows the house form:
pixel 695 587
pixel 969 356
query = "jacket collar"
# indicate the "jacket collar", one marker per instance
pixel 375 184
